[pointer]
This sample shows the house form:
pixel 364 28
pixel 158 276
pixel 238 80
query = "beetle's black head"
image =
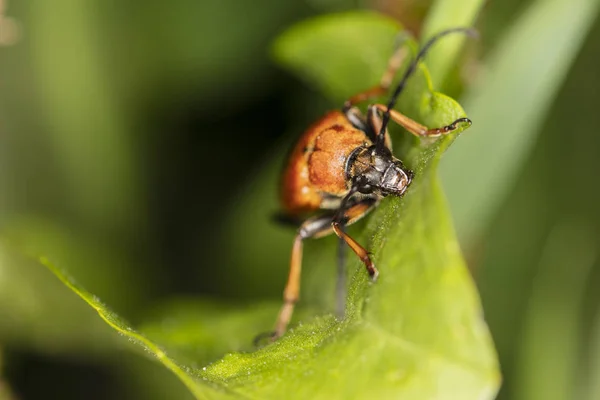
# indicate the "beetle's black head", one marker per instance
pixel 378 172
pixel 396 179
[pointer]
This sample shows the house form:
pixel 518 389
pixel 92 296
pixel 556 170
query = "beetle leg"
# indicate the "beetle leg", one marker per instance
pixel 357 249
pixel 348 216
pixel 342 219
pixel 375 122
pixel 356 118
pixel 353 114
pixel 394 64
pixel 421 130
pixel 313 227
pixel 340 284
pixel 292 289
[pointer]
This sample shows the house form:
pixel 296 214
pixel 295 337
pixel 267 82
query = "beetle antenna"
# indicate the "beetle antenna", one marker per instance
pixel 411 69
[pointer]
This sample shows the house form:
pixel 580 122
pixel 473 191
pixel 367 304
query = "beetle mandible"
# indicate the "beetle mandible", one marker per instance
pixel 343 165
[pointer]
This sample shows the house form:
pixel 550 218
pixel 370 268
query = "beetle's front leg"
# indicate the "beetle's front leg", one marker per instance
pixel 312 228
pixel 418 129
pixel 348 216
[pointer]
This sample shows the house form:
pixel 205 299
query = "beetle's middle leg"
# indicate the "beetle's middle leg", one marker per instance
pixel 313 227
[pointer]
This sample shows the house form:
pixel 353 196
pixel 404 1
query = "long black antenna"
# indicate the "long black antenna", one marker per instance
pixel 411 69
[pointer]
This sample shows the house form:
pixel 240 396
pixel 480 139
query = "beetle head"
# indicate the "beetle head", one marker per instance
pixel 395 179
pixel 378 172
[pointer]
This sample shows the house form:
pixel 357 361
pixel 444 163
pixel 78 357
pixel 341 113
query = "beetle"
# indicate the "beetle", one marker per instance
pixel 342 166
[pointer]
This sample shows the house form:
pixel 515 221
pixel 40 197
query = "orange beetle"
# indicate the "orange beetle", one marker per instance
pixel 343 165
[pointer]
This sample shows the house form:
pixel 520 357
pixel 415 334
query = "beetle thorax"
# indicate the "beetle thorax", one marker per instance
pixel 377 172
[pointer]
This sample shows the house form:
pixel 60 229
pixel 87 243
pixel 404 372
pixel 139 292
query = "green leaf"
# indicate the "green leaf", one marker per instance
pixel 342 52
pixel 117 323
pixel 196 330
pixel 416 333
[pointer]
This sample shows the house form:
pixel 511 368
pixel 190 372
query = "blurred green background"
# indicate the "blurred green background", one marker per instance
pixel 135 144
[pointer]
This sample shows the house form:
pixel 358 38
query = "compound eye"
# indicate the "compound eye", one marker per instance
pixel 365 189
pixel 362 185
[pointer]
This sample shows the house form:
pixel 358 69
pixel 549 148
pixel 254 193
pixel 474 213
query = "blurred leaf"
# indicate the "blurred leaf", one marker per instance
pixel 592 380
pixel 416 333
pixel 144 378
pixel 86 128
pixel 185 58
pixel 446 14
pixel 38 313
pixel 331 53
pixel 5 391
pixel 97 263
pixel 553 313
pixel 517 87
pixel 344 59
pixel 513 259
